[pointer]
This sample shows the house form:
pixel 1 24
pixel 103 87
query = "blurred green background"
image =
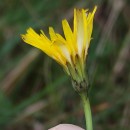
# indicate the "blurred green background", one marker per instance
pixel 35 93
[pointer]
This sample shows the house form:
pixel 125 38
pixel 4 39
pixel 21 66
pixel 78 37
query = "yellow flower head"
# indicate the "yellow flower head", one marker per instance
pixel 71 51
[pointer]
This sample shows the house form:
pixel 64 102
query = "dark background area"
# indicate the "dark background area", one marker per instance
pixel 35 93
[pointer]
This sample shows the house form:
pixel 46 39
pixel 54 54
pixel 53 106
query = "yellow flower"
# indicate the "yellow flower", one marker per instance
pixel 70 52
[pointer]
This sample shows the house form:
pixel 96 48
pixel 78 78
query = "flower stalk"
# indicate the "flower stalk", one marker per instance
pixel 87 111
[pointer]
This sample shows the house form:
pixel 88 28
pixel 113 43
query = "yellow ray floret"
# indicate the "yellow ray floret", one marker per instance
pixel 44 44
pixel 83 25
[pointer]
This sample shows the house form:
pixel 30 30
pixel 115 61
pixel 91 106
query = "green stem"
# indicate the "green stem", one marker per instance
pixel 87 111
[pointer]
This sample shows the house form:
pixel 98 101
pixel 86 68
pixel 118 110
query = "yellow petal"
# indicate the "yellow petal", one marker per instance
pixel 75 24
pixel 79 29
pixel 83 25
pixel 32 38
pixel 89 27
pixel 69 38
pixel 59 41
pixel 52 34
pixel 44 44
pixel 63 49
